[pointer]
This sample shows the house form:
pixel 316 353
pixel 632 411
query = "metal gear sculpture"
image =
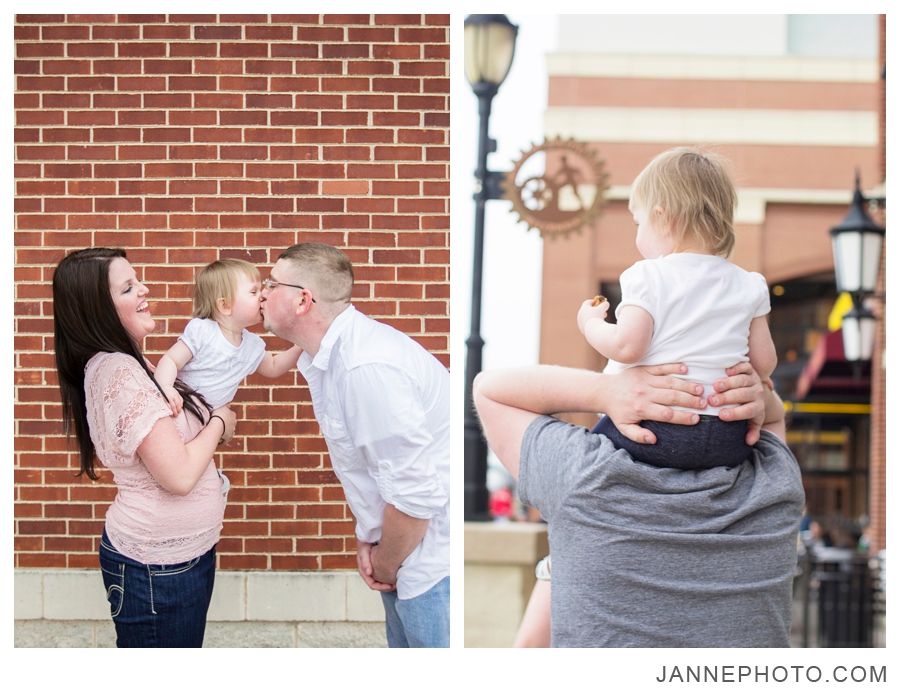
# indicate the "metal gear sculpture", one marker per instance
pixel 554 203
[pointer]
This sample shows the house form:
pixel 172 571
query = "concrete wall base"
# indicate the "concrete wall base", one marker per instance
pixel 68 608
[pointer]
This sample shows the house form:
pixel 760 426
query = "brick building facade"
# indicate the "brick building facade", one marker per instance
pixel 795 116
pixel 186 138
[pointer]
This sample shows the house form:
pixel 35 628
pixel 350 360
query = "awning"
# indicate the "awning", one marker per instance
pixel 829 376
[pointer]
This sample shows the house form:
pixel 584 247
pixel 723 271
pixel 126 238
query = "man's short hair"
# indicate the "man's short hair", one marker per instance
pixel 692 190
pixel 324 266
pixel 219 280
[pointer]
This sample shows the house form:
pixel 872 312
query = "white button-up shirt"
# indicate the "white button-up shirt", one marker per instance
pixel 383 404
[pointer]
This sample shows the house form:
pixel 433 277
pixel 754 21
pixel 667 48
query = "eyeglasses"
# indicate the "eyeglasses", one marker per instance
pixel 270 284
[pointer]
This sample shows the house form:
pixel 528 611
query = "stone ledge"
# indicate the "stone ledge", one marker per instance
pixel 517 543
pixel 290 597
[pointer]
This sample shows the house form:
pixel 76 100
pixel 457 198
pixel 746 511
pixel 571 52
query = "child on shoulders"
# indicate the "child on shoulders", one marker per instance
pixel 685 303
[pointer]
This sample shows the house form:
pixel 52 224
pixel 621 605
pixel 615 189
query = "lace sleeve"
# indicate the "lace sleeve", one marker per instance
pixel 123 407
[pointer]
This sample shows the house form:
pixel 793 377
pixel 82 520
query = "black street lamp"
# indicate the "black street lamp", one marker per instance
pixel 856 243
pixel 490 42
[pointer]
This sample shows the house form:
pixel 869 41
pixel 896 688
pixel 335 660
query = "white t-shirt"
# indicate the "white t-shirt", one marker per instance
pixel 218 367
pixel 701 306
pixel 383 404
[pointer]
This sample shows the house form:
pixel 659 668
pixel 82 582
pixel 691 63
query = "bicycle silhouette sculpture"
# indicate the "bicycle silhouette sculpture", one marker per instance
pixel 564 200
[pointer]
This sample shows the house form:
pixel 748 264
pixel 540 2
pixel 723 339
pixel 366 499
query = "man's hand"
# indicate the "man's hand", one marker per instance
pixel 364 565
pixel 742 390
pixel 648 393
pixel 381 572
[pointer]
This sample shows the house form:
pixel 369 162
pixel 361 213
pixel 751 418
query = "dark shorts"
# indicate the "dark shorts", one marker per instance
pixel 710 443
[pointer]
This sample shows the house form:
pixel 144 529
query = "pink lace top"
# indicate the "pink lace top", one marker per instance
pixel 146 522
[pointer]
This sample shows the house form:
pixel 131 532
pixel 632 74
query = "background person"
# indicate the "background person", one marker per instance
pixel 157 552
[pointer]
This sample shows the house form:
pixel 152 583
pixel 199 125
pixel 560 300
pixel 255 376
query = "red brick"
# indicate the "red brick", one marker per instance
pixel 116 134
pixel 347 118
pixel 92 117
pixel 141 117
pixel 118 101
pixel 394 119
pixel 151 32
pixel 294 187
pixel 193 49
pixel 40 118
pixel 244 50
pixel 294 153
pixel 436 120
pixel 67 170
pixel 318 67
pixel 43 50
pixel 168 67
pixel 269 101
pixel 430 68
pixel 115 32
pixel 426 35
pixel 40 187
pixel 217 170
pixel 137 187
pixel 396 51
pixel 296 221
pixel 374 170
pixel 66 100
pixel 91 187
pixel 142 49
pixel 300 51
pixel 68 33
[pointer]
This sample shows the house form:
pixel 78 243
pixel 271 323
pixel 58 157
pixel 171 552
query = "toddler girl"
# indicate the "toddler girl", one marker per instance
pixel 685 303
pixel 216 352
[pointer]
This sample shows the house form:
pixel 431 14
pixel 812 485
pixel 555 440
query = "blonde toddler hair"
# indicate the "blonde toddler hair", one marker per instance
pixel 692 191
pixel 219 280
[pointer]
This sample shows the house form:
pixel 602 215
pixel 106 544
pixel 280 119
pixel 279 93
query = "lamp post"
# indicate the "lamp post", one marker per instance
pixel 856 243
pixel 490 41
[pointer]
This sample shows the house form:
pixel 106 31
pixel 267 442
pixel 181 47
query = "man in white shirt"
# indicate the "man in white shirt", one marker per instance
pixel 383 404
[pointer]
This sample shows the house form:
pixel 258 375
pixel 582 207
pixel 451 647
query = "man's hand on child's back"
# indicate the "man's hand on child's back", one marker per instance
pixel 743 395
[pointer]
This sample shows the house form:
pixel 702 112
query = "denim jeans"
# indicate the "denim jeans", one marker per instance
pixel 710 443
pixel 420 622
pixel 157 605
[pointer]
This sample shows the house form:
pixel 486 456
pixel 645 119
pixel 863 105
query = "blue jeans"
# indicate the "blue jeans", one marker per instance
pixel 710 443
pixel 420 622
pixel 157 605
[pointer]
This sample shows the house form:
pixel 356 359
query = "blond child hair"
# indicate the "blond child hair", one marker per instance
pixel 692 191
pixel 218 281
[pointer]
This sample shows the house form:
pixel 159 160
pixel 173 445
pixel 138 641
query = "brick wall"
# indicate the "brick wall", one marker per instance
pixel 188 138
pixel 878 449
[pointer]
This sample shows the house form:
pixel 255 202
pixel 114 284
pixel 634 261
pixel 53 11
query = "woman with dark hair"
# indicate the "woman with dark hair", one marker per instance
pixel 157 552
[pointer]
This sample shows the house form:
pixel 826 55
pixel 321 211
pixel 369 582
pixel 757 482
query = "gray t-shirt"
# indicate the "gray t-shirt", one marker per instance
pixel 656 557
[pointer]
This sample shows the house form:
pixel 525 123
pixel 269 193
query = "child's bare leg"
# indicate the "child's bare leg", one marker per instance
pixel 534 630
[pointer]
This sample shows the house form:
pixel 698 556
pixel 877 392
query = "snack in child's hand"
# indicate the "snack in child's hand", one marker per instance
pixel 597 300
